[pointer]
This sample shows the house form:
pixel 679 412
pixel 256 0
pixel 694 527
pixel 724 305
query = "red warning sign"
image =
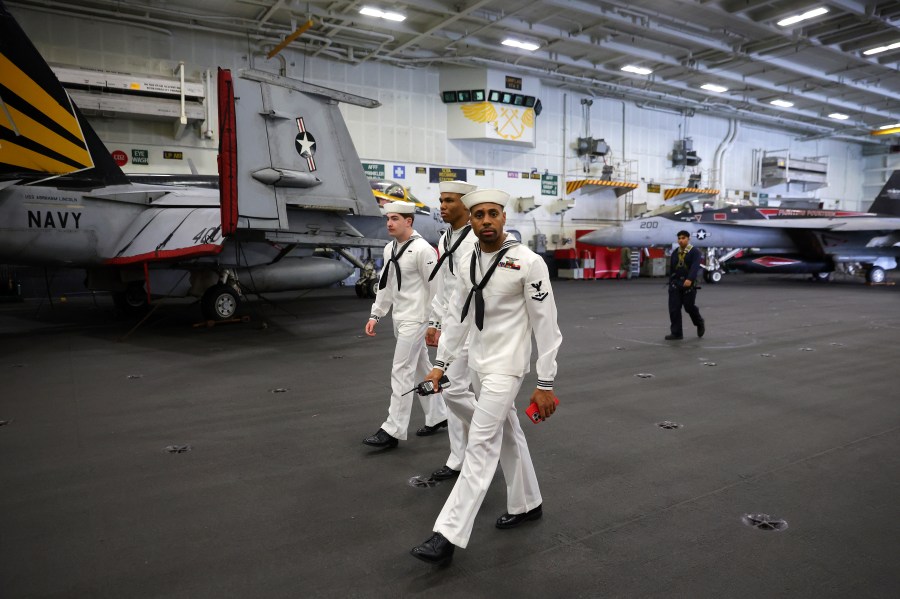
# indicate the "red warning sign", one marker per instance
pixel 120 157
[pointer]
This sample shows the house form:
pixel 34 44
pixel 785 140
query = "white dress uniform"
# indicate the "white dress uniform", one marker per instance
pixel 410 295
pixel 517 301
pixel 458 246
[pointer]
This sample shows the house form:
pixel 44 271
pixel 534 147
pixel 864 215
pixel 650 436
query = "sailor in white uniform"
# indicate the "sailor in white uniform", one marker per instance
pixel 509 299
pixel 404 286
pixel 454 249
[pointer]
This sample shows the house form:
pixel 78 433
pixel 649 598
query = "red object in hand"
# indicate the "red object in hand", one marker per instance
pixel 533 412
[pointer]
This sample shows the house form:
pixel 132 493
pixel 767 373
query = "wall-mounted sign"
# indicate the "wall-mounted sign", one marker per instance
pixel 526 175
pixel 479 172
pixel 512 175
pixel 513 82
pixel 420 170
pixel 436 175
pixel 536 176
pixel 549 185
pixel 172 155
pixel 373 170
pixel 653 188
pixel 140 156
pixel 120 157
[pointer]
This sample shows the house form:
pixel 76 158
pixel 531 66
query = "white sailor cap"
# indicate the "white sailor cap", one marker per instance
pixel 398 208
pixel 494 196
pixel 460 187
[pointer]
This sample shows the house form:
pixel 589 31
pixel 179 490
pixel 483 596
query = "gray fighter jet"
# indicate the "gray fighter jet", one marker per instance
pixel 279 216
pixel 775 240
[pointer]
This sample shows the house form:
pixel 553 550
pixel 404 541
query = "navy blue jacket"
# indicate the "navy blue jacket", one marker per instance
pixel 691 261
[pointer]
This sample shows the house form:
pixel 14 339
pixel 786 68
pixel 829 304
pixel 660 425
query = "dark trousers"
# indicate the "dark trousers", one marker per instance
pixel 681 297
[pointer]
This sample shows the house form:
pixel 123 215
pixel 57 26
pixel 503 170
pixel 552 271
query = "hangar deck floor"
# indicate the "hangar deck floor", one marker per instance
pixel 798 418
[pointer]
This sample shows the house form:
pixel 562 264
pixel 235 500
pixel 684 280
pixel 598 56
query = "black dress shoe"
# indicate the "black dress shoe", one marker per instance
pixel 426 430
pixel 701 328
pixel 674 337
pixel 436 550
pixel 445 473
pixel 513 520
pixel 381 439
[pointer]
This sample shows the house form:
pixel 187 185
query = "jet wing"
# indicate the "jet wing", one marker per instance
pixel 861 223
pixel 170 233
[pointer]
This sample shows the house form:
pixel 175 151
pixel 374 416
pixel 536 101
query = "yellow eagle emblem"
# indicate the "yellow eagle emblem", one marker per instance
pixel 509 123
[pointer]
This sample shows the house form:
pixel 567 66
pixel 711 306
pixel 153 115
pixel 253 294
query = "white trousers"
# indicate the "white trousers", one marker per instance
pixel 411 365
pixel 461 403
pixel 494 436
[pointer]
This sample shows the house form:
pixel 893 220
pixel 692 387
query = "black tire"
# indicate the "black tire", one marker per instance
pixel 715 276
pixel 219 302
pixel 875 275
pixel 821 277
pixel 132 301
pixel 360 288
pixel 372 288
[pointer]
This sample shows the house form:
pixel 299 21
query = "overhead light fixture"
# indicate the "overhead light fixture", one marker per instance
pixel 712 87
pixel 891 126
pixel 630 68
pixel 839 116
pixel 804 16
pixel 384 14
pixel 494 96
pixel 781 103
pixel 881 49
pixel 531 47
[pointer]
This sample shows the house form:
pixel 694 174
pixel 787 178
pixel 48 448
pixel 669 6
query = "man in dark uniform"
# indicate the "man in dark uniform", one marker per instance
pixel 685 266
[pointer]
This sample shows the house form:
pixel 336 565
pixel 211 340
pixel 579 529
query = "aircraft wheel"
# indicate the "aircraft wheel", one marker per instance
pixel 219 302
pixel 372 288
pixel 132 301
pixel 822 277
pixel 715 276
pixel 360 288
pixel 875 275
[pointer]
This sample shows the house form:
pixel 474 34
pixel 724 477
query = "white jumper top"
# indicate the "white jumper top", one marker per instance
pixel 447 280
pixel 412 301
pixel 518 302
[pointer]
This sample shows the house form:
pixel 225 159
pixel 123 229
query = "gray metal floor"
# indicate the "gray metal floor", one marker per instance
pixel 799 418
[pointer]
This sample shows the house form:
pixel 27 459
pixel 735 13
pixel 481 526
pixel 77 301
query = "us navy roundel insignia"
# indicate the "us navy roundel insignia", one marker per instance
pixel 701 234
pixel 305 144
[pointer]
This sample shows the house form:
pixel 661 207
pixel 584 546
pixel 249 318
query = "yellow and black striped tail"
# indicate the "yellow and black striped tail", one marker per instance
pixel 42 133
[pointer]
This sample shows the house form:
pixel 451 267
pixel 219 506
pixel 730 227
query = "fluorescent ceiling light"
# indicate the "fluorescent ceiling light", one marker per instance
pixel 712 87
pixel 881 49
pixel 782 103
pixel 384 14
pixel 802 17
pixel 892 126
pixel 838 116
pixel 521 45
pixel 637 70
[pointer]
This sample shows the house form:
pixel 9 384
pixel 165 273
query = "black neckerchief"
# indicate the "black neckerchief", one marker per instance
pixel 478 287
pixel 395 256
pixel 448 250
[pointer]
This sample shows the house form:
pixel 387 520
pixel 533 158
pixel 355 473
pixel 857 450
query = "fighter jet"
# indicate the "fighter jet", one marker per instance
pixel 289 183
pixel 775 240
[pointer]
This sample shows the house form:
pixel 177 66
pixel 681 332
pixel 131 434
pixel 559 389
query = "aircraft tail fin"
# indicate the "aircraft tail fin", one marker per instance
pixel 888 200
pixel 42 133
pixel 294 150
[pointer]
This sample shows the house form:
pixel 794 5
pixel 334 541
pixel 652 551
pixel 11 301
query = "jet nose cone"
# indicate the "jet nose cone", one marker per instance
pixel 608 235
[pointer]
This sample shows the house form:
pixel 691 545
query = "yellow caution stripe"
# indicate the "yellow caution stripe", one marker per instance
pixel 668 194
pixel 572 186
